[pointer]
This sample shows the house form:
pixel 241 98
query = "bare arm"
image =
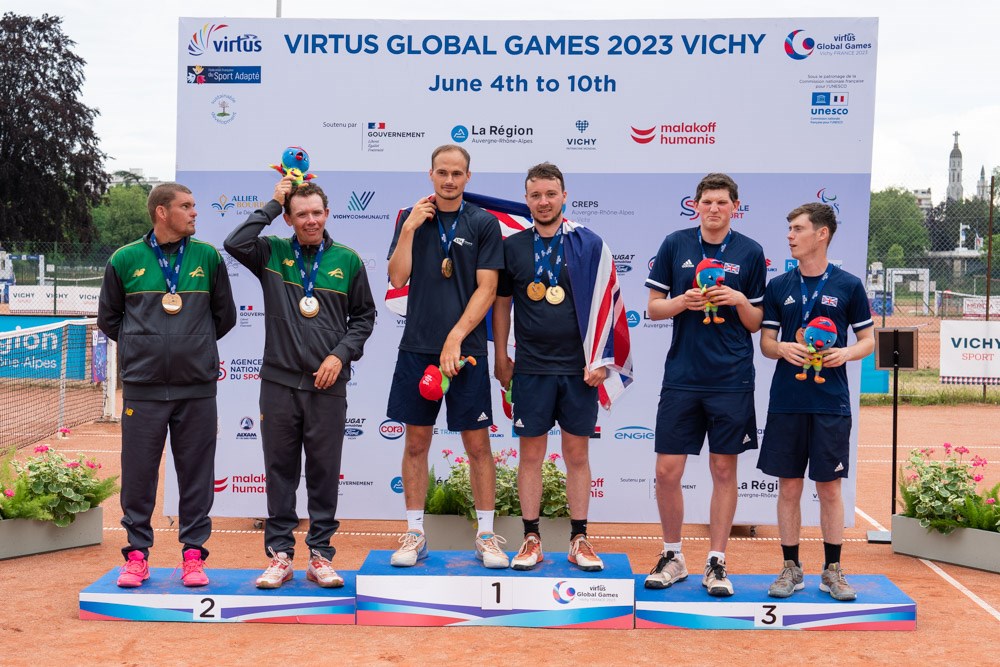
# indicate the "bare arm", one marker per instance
pixel 750 315
pixel 475 310
pixel 504 367
pixel 862 347
pixel 401 262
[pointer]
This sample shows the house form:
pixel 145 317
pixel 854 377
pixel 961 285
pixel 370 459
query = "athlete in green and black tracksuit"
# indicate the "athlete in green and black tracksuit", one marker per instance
pixel 303 395
pixel 169 365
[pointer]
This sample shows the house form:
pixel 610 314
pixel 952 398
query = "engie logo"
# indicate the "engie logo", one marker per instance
pixel 563 593
pixel 211 39
pixel 635 433
pixel 396 484
pixel 391 429
pixel 799 46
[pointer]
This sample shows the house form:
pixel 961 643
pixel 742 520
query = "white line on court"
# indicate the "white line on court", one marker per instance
pixel 941 573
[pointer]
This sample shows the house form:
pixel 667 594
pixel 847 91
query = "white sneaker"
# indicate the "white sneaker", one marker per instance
pixel 530 554
pixel 582 554
pixel 414 549
pixel 321 571
pixel 488 550
pixel 716 579
pixel 278 572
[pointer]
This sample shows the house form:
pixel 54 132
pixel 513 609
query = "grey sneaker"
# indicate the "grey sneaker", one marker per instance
pixel 668 570
pixel 789 581
pixel 716 580
pixel 833 582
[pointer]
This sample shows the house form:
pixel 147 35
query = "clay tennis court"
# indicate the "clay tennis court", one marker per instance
pixel 39 623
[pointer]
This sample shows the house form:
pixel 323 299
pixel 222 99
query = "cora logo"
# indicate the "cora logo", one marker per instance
pixel 798 46
pixel 396 484
pixel 391 429
pixel 643 136
pixel 563 593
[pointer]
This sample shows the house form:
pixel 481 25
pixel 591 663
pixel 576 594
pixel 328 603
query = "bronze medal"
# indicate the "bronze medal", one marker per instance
pixel 555 295
pixel 447 267
pixel 536 291
pixel 800 336
pixel 172 303
pixel 309 306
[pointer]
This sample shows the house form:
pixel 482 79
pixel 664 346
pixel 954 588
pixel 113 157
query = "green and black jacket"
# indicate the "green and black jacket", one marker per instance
pixel 294 345
pixel 165 357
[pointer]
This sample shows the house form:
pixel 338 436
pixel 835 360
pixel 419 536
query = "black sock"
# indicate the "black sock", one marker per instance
pixel 832 554
pixel 577 527
pixel 530 526
pixel 791 553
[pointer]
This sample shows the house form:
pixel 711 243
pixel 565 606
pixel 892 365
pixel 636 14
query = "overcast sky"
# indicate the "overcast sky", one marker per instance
pixel 937 66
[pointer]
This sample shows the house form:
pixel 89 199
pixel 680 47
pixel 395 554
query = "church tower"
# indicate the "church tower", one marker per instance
pixel 955 173
pixel 982 187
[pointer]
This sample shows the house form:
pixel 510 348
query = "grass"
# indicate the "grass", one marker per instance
pixel 923 387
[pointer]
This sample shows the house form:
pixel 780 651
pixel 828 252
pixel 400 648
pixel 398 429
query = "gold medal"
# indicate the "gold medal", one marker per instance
pixel 800 336
pixel 536 291
pixel 555 295
pixel 309 306
pixel 172 303
pixel 447 267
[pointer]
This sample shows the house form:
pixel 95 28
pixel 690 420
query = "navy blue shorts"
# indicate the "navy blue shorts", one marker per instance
pixel 684 418
pixel 542 400
pixel 470 406
pixel 791 442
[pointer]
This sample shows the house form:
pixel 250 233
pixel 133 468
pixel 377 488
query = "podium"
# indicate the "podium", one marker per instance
pixel 686 605
pixel 230 597
pixel 452 588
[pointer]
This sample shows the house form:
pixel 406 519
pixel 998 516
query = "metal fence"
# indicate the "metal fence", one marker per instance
pixel 52 278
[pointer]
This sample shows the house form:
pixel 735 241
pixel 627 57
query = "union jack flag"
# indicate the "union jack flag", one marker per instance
pixel 828 301
pixel 731 268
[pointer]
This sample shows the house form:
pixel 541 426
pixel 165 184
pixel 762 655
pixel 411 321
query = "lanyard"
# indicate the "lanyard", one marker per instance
pixel 722 248
pixel 307 283
pixel 172 276
pixel 448 238
pixel 543 257
pixel 809 302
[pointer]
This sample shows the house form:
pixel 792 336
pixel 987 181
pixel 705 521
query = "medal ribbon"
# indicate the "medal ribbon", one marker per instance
pixel 809 302
pixel 172 276
pixel 447 238
pixel 722 248
pixel 543 257
pixel 307 283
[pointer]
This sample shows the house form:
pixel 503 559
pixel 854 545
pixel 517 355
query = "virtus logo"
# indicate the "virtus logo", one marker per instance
pixel 643 136
pixel 209 39
pixel 563 593
pixel 798 46
pixel 360 202
pixel 199 40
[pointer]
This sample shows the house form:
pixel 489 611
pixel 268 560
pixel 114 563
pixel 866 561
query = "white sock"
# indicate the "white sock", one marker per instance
pixel 485 520
pixel 672 546
pixel 718 554
pixel 415 520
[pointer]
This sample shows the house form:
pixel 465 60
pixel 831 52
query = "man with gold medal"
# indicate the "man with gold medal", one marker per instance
pixel 166 299
pixel 552 381
pixel 319 312
pixel 448 251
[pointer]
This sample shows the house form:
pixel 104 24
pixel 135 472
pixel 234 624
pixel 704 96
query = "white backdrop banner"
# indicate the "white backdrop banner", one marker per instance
pixel 970 352
pixel 634 112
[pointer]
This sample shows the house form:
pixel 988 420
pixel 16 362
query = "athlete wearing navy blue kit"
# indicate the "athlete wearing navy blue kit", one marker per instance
pixel 708 379
pixel 809 423
pixel 450 251
pixel 551 381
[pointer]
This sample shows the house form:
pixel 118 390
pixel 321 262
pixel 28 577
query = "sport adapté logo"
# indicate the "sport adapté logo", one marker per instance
pixel 212 39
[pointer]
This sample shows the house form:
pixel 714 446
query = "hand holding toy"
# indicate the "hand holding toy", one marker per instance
pixel 819 336
pixel 435 384
pixel 709 273
pixel 294 161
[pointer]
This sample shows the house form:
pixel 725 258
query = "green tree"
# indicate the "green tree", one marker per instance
pixel 122 216
pixel 131 178
pixel 895 219
pixel 51 169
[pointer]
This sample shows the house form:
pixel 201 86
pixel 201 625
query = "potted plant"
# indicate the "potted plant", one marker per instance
pixel 50 502
pixel 450 507
pixel 944 515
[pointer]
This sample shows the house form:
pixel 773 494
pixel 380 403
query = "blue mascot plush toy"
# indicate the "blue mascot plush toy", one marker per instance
pixel 819 336
pixel 708 273
pixel 294 161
